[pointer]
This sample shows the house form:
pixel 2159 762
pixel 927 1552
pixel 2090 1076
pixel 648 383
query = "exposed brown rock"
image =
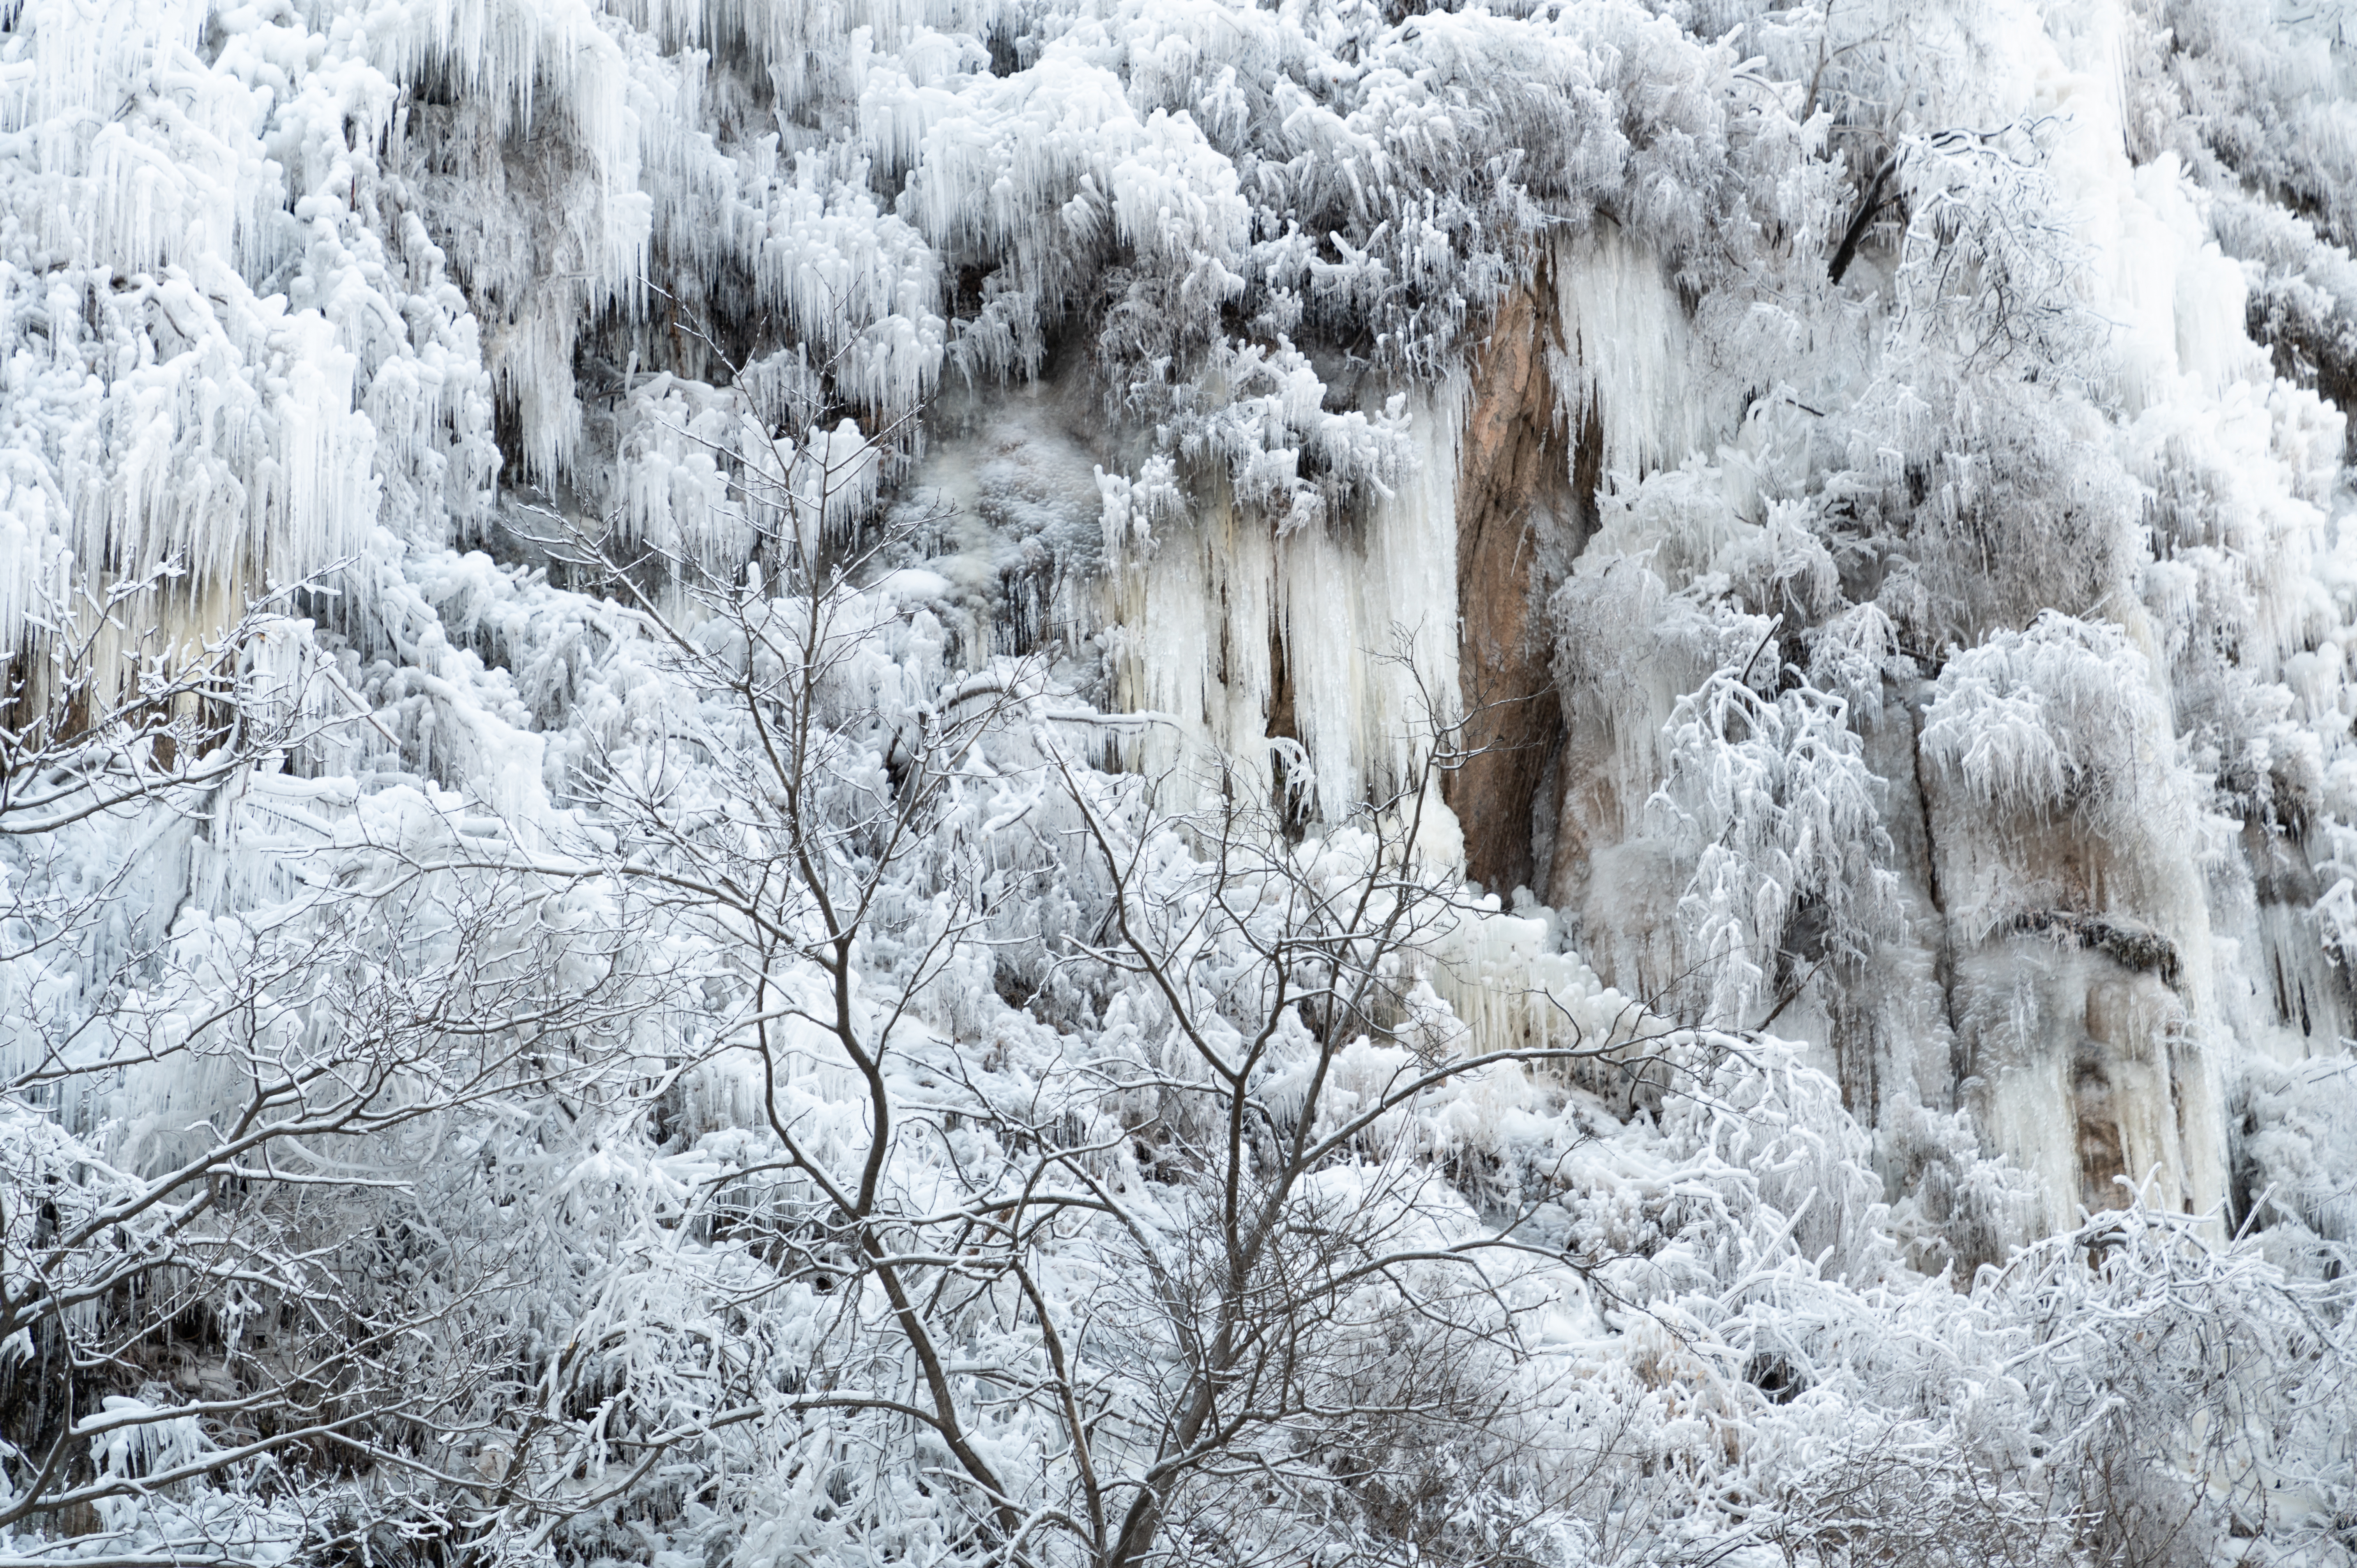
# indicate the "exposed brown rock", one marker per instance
pixel 2103 1158
pixel 1517 493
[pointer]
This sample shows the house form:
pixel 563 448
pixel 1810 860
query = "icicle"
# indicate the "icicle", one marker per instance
pixel 1624 353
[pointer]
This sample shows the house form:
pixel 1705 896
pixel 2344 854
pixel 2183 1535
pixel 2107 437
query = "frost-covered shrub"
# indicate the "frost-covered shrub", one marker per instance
pixel 1772 803
pixel 2061 715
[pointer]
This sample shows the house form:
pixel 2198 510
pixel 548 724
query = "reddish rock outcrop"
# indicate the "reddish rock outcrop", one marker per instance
pixel 1525 501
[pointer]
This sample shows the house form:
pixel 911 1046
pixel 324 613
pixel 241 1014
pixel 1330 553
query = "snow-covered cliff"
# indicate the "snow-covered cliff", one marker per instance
pixel 1824 526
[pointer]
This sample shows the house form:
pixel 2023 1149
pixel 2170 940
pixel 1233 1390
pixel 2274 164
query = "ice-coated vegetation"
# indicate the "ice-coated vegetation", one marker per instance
pixel 1119 783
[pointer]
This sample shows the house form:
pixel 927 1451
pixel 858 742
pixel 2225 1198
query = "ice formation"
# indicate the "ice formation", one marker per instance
pixel 1823 529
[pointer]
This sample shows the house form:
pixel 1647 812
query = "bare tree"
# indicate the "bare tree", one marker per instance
pixel 1191 1276
pixel 1335 1312
pixel 1050 1163
pixel 220 1076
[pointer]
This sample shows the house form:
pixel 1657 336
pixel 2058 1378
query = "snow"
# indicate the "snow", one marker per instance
pixel 434 431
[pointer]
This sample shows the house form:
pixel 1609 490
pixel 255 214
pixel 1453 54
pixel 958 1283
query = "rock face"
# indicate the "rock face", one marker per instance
pixel 2074 974
pixel 1526 502
pixel 1690 395
pixel 2086 1033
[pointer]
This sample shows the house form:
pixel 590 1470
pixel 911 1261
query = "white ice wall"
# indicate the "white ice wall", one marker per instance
pixel 1208 604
